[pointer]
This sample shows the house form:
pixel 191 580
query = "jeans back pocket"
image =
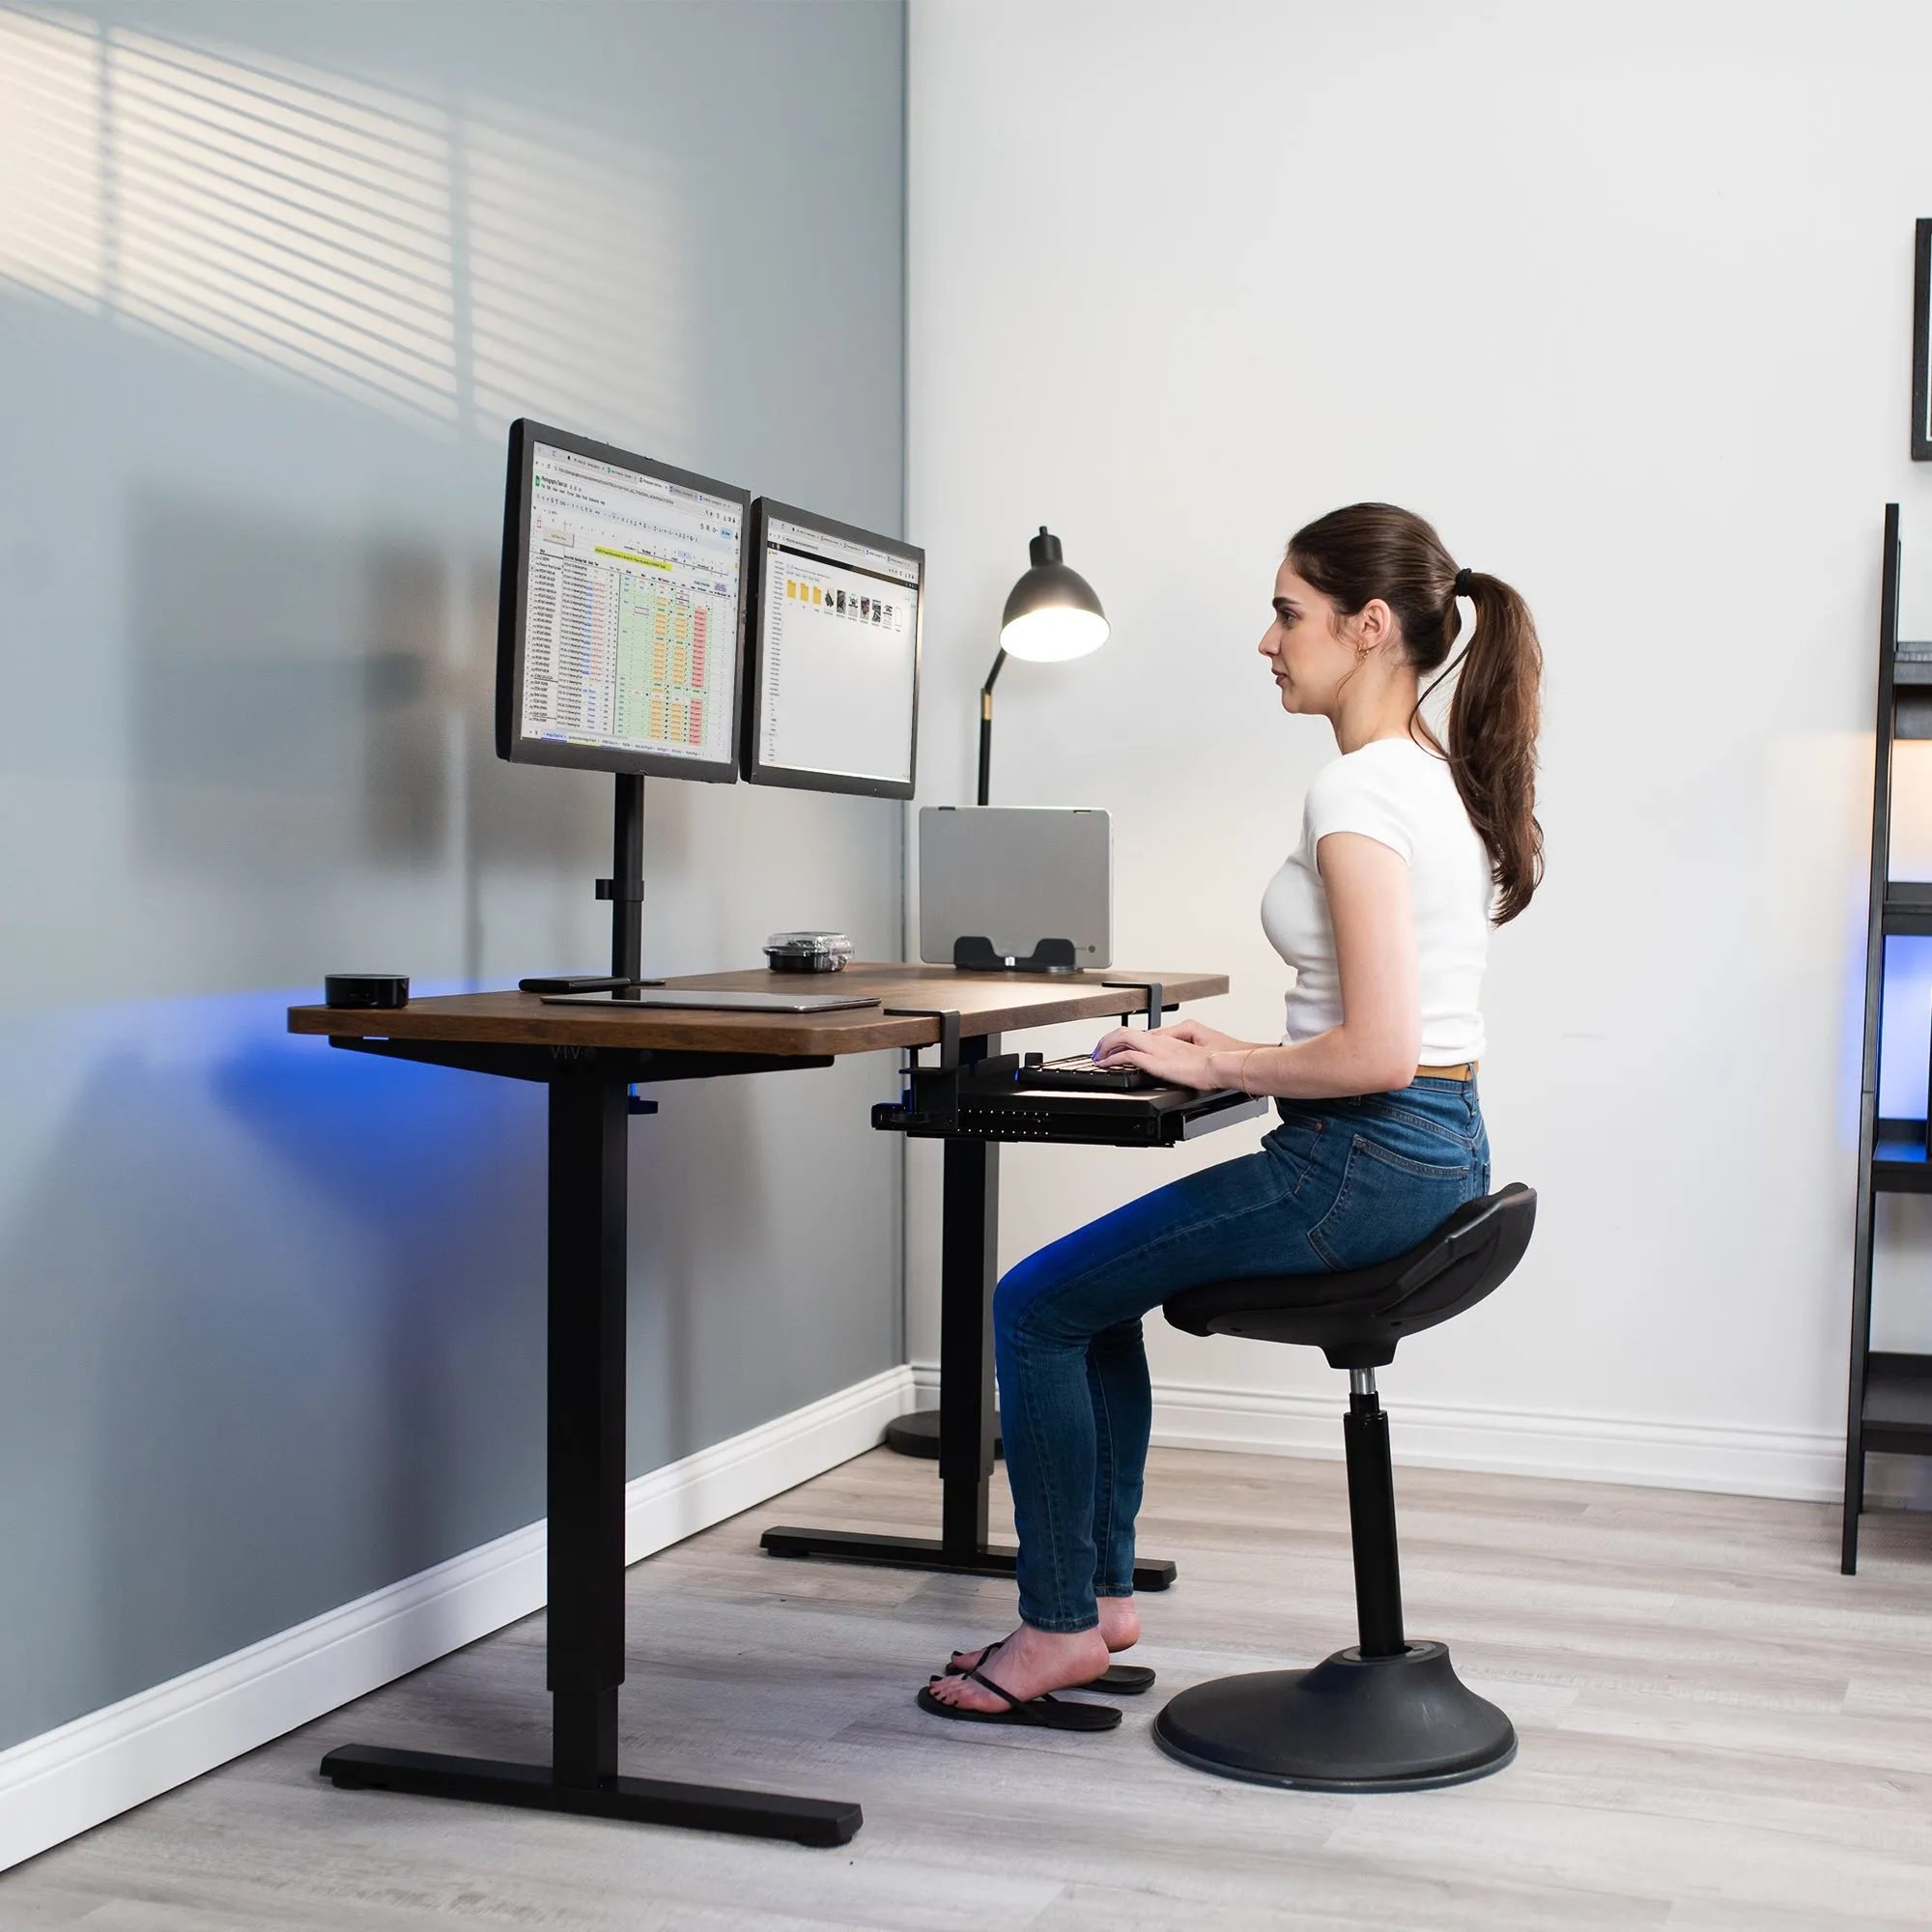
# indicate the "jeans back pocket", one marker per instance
pixel 1390 1200
pixel 1299 1143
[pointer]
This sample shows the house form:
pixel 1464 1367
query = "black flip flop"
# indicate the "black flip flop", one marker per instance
pixel 1045 1712
pixel 1124 1680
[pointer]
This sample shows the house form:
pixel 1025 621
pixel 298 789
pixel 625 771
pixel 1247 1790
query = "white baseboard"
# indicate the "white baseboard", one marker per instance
pixel 1808 1464
pixel 1797 1464
pixel 70 1779
pixel 684 1498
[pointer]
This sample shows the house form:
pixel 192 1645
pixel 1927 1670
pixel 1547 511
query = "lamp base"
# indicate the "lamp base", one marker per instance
pixel 918 1434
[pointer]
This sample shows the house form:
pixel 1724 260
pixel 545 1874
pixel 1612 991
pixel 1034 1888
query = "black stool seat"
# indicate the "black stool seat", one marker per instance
pixel 1357 1318
pixel 1386 1715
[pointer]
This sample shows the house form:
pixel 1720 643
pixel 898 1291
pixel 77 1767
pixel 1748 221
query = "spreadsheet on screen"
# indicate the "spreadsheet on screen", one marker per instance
pixel 632 614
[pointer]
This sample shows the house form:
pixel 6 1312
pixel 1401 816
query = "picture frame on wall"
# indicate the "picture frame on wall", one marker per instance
pixel 1922 341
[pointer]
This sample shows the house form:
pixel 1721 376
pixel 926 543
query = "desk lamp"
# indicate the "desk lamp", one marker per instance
pixel 1051 615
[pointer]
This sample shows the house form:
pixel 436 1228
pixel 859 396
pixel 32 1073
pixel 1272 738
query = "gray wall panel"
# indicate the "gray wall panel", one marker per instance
pixel 273 279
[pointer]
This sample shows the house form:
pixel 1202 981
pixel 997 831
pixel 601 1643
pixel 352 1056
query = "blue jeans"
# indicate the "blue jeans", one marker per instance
pixel 1338 1184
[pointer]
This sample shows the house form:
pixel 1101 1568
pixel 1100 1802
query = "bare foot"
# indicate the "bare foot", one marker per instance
pixel 1119 1630
pixel 1025 1664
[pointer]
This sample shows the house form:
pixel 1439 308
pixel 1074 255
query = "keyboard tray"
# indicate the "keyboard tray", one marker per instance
pixel 994 1106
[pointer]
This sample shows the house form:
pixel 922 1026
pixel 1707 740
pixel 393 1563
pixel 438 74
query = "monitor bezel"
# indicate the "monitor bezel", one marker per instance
pixel 513 599
pixel 791 777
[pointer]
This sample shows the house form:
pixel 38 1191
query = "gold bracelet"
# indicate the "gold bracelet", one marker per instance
pixel 1242 1076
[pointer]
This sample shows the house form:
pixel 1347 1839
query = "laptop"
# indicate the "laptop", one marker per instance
pixel 1015 889
pixel 695 999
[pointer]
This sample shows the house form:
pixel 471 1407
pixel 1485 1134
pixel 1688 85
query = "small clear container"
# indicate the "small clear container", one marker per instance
pixel 808 951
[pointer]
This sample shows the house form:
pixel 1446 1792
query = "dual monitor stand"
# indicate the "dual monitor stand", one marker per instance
pixel 625 887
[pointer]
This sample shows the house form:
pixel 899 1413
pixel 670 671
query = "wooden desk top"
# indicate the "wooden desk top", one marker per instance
pixel 987 1003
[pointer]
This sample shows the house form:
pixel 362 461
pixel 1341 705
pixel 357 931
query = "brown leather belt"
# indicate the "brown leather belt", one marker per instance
pixel 1462 1070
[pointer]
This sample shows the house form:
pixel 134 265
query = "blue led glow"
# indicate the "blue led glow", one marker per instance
pixel 1907 1036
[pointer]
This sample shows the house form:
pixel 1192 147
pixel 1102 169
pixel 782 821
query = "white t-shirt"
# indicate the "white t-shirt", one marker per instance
pixel 1401 796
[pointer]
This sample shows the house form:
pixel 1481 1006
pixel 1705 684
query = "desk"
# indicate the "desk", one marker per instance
pixel 590 1057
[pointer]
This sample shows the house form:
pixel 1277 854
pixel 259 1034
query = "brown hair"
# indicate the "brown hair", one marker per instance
pixel 1375 549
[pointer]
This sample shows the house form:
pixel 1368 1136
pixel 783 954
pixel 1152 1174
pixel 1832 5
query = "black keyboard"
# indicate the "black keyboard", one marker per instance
pixel 1078 1074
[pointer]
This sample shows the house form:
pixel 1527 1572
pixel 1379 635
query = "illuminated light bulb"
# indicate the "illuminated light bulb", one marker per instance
pixel 1053 633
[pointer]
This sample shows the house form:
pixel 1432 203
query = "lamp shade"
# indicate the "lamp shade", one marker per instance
pixel 1052 612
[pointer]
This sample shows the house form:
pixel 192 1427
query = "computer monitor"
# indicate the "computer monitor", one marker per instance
pixel 620 628
pixel 833 655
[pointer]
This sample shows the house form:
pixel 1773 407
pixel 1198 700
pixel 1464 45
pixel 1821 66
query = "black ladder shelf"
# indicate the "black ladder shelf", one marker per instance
pixel 1889 1405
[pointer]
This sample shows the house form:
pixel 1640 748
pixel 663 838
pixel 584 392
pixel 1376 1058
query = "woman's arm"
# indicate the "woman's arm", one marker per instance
pixel 1374 1048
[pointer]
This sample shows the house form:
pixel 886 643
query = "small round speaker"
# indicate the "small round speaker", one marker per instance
pixel 366 989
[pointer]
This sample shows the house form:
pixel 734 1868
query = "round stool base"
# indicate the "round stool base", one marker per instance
pixel 1352 1723
pixel 918 1434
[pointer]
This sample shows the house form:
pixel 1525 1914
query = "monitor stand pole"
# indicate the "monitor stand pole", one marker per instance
pixel 625 888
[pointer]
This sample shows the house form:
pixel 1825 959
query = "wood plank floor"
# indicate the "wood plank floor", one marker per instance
pixel 1718 1731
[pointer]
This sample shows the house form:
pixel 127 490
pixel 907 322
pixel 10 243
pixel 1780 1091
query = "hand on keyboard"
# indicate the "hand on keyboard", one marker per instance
pixel 1080 1072
pixel 1172 1056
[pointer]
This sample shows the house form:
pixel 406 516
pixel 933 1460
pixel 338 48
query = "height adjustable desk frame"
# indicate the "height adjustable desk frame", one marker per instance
pixel 590 1105
pixel 590 1058
pixel 938 1105
pixel 1889 1404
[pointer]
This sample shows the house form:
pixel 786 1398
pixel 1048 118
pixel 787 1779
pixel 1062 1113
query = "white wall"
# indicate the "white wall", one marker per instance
pixel 1622 301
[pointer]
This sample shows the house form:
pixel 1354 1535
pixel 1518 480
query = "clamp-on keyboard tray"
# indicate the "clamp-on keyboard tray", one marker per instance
pixel 995 1104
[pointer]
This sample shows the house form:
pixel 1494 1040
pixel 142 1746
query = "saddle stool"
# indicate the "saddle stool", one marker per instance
pixel 1387 1715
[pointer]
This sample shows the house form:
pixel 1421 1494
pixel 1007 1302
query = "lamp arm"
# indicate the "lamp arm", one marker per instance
pixel 987 725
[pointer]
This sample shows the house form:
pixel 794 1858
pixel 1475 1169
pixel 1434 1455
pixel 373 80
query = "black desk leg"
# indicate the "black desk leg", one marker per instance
pixel 589 1120
pixel 968 1269
pixel 969 1249
pixel 584 1664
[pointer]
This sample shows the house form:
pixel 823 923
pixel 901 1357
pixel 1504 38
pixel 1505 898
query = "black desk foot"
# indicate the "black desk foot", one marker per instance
pixel 926 1552
pixel 639 1801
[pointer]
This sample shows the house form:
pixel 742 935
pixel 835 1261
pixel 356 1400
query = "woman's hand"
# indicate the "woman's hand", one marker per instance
pixel 1204 1035
pixel 1178 1056
pixel 1190 1031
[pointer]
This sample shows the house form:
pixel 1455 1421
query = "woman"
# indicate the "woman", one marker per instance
pixel 1410 850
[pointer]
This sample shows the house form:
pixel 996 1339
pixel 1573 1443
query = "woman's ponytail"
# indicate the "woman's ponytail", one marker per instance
pixel 1493 719
pixel 1376 550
